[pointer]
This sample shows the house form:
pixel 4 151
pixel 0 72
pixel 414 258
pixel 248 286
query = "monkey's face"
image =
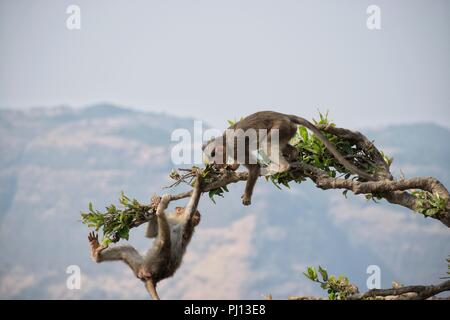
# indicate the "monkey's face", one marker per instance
pixel 214 152
pixel 196 217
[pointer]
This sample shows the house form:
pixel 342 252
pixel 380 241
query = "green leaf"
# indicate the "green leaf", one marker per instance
pixel 312 273
pixel 303 133
pixel 106 241
pixel 124 234
pixel 276 184
pixel 431 212
pixel 211 194
pixel 323 273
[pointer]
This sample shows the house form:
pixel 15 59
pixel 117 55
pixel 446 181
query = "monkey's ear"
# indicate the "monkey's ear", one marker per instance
pixel 179 209
pixel 152 229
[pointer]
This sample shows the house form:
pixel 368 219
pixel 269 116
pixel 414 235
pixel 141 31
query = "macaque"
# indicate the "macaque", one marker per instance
pixel 264 124
pixel 173 233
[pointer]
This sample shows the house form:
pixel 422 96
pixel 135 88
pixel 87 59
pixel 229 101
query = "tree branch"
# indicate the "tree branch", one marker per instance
pixel 393 191
pixel 399 293
pixel 400 192
pixel 406 293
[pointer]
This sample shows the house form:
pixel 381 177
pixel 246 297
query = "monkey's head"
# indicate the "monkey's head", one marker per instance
pixel 196 217
pixel 214 152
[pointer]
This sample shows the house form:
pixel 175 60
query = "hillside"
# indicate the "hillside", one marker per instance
pixel 54 161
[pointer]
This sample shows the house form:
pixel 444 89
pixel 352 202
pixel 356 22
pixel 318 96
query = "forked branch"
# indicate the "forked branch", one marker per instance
pixel 426 195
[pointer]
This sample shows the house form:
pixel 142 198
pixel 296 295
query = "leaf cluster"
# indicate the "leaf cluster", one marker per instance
pixel 209 175
pixel 338 288
pixel 116 222
pixel 429 204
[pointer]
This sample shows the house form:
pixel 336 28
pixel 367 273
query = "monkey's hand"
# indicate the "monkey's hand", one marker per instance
pixel 96 248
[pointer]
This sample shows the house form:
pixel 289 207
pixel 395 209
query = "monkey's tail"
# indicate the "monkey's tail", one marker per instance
pixel 151 289
pixel 349 166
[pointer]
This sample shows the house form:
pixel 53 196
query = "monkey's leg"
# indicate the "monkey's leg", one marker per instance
pixel 161 247
pixel 276 144
pixel 253 174
pixel 283 147
pixel 152 228
pixel 126 253
pixel 159 252
pixel 278 162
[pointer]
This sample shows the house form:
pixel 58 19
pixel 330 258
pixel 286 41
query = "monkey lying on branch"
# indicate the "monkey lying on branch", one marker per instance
pixel 173 233
pixel 224 151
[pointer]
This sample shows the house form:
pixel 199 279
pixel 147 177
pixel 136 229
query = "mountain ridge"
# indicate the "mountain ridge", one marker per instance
pixel 51 168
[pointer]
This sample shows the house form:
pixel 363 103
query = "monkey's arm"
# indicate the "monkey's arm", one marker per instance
pixel 161 227
pixel 193 201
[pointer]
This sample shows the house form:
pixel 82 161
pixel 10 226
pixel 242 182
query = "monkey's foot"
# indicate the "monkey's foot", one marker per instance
pixel 143 274
pixel 163 203
pixel 96 248
pixel 246 201
pixel 155 202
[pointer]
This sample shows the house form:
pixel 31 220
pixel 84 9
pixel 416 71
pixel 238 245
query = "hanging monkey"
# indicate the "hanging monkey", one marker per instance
pixel 173 233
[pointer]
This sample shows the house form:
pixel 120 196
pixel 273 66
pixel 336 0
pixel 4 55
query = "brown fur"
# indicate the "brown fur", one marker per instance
pixel 173 234
pixel 287 126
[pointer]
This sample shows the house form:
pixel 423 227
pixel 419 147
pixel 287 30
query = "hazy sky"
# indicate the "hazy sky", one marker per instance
pixel 221 59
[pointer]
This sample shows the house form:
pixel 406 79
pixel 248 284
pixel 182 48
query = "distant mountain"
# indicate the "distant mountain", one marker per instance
pixel 53 161
pixel 416 145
